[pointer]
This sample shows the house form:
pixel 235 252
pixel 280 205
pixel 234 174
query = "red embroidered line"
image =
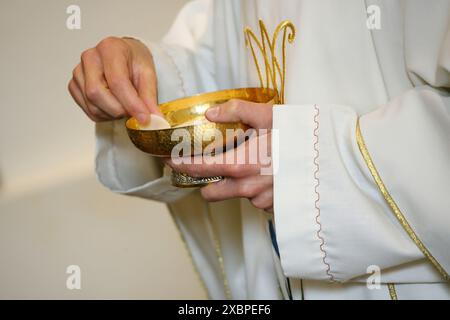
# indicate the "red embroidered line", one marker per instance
pixel 316 187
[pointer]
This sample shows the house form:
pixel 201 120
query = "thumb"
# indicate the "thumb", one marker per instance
pixel 256 115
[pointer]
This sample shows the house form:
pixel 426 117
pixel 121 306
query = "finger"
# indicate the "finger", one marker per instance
pixel 95 86
pixel 115 57
pixel 144 77
pixel 229 188
pixel 212 167
pixel 147 90
pixel 238 162
pixel 99 114
pixel 77 95
pixel 256 115
pixel 264 200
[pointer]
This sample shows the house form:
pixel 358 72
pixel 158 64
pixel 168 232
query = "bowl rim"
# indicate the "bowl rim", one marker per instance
pixel 200 98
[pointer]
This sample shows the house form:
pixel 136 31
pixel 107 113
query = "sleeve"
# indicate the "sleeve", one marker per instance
pixel 119 165
pixel 369 190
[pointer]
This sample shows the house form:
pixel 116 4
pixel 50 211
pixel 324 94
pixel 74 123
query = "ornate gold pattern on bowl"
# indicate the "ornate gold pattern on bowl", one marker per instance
pixel 189 110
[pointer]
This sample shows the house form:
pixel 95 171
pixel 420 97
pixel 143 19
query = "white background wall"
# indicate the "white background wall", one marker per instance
pixel 53 213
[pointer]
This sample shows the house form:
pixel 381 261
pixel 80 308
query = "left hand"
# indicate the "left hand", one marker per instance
pixel 241 180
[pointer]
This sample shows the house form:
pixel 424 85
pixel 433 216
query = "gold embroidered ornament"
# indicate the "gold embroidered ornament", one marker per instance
pixel 188 113
pixel 267 47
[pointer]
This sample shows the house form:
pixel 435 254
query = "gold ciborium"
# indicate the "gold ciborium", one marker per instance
pixel 181 114
pixel 189 113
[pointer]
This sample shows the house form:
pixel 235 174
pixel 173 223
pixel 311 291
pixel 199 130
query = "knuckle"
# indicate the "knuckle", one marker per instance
pixel 234 104
pixel 117 113
pixel 246 190
pixel 76 70
pixel 85 55
pixel 109 42
pixel 93 92
pixel 148 71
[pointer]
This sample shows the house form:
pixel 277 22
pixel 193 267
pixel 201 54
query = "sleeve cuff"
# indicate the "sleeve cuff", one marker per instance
pixel 124 169
pixel 296 216
pixel 332 222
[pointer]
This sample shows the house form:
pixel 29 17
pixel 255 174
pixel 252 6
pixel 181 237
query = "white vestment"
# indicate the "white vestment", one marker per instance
pixel 332 222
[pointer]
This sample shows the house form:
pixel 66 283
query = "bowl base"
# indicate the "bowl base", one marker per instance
pixel 182 180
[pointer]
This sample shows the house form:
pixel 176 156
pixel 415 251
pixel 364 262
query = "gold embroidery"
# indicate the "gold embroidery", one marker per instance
pixel 392 291
pixel 395 209
pixel 274 71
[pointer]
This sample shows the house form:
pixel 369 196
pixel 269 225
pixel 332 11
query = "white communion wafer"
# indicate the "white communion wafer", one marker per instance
pixel 156 123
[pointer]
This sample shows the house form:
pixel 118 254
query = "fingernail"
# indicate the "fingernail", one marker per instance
pixel 142 118
pixel 212 112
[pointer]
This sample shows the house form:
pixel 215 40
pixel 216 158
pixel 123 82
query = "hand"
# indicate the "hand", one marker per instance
pixel 115 79
pixel 241 180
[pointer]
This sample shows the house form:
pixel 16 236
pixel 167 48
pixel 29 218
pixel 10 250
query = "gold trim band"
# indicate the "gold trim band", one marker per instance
pixel 219 255
pixel 395 209
pixel 392 291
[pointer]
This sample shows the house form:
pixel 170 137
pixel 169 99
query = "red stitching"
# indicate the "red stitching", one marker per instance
pixel 316 187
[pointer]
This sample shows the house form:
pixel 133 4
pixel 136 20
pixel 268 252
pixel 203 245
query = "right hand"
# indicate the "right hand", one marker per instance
pixel 117 78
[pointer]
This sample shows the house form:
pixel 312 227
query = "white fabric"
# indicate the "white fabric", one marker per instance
pixel 395 78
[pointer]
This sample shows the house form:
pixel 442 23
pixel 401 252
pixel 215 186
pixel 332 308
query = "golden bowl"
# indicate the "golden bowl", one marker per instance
pixel 188 110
